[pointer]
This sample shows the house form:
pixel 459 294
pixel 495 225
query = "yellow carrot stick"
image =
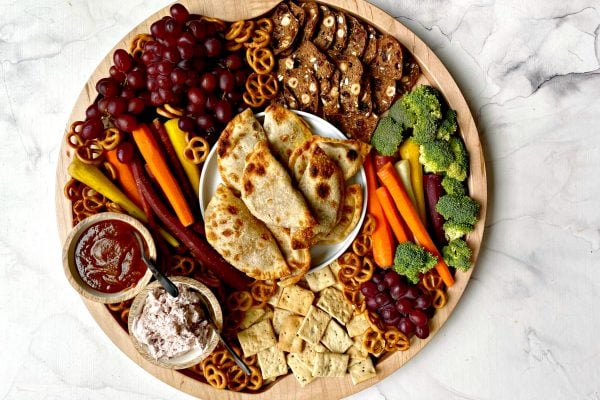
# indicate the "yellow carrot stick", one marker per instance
pixel 177 138
pixel 409 150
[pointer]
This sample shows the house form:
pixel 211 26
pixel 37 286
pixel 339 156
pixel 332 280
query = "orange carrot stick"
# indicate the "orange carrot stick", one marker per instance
pixel 383 240
pixel 124 177
pixel 390 179
pixel 391 214
pixel 159 168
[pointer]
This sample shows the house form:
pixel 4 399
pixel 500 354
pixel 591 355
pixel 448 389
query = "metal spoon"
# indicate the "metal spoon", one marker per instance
pixel 238 360
pixel 164 281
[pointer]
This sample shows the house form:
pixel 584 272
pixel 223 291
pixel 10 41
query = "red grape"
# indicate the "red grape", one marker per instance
pixel 122 60
pixel 92 128
pixel 92 111
pixel 422 332
pixel 213 47
pixel 164 67
pixel 406 327
pixel 186 124
pixel 382 299
pixel 178 76
pixel 186 50
pixel 117 75
pixel 136 79
pixel 136 105
pixel 371 303
pixel 196 96
pixel 388 312
pixel 208 82
pixel 417 317
pixel 125 152
pixel 128 93
pixel 205 122
pixel 368 289
pixel 116 106
pixel 223 111
pixel 198 29
pixel 423 302
pixel 126 122
pixel 404 306
pixel 412 293
pixel 172 55
pixel 179 13
pixel 107 87
pixel 391 278
pixel 397 291
pixel 226 81
pixel 234 61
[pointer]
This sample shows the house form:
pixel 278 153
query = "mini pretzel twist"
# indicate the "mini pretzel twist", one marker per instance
pixel 215 377
pixel 73 189
pixel 74 139
pixel 362 245
pixel 348 281
pixel 181 265
pixel 237 380
pixel 169 111
pixel 373 341
pixel 369 225
pixel 232 46
pixel 375 322
pixel 260 59
pixel 253 100
pixel 350 265
pixel 260 39
pixel 91 152
pixel 440 298
pixel 262 291
pixel 431 280
pixel 222 358
pixel 241 301
pixel 265 24
pixel 196 150
pixel 93 201
pixel 112 138
pixel 395 340
pixel 351 296
pixel 264 85
pixel 366 272
pixel 255 381
pixel 114 207
pixel 110 170
pixel 136 48
pixel 234 30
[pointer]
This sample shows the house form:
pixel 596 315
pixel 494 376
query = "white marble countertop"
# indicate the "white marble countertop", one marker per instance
pixel 528 324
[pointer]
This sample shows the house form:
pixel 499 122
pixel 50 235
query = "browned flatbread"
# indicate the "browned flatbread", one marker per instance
pixel 241 239
pixel 348 154
pixel 350 215
pixel 285 131
pixel 235 143
pixel 269 194
pixel 297 260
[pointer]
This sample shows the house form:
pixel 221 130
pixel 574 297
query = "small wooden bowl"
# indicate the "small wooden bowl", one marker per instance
pixel 71 269
pixel 192 357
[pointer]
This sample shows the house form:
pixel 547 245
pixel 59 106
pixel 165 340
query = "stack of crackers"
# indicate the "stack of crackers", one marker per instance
pixel 310 329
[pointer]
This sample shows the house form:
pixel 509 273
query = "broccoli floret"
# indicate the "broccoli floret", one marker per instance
pixel 456 208
pixel 411 260
pixel 457 254
pixel 448 126
pixel 400 115
pixel 458 168
pixel 436 156
pixel 387 137
pixel 455 230
pixel 423 112
pixel 453 186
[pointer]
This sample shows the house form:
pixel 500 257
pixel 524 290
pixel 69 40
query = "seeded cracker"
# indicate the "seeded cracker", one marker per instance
pixel 357 325
pixel 288 340
pixel 275 298
pixel 361 371
pixel 330 365
pixel 280 315
pixel 335 338
pixel 272 362
pixel 314 325
pixel 251 316
pixel 296 299
pixel 332 301
pixel 302 374
pixel 258 337
pixel 319 280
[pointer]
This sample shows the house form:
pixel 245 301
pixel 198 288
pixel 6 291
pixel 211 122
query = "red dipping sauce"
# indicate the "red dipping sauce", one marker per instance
pixel 108 257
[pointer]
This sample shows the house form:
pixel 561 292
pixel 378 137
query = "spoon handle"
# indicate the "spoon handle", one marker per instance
pixel 238 360
pixel 164 281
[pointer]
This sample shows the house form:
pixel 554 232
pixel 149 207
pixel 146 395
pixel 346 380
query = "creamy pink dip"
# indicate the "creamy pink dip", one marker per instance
pixel 172 326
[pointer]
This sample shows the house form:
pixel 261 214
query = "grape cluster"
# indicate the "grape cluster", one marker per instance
pixel 398 303
pixel 184 64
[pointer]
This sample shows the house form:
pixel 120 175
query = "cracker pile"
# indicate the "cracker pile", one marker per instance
pixel 310 329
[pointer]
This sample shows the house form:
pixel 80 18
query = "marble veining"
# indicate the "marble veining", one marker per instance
pixel 527 326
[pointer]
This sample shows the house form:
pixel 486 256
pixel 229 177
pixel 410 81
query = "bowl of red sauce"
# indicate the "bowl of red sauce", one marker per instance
pixel 102 258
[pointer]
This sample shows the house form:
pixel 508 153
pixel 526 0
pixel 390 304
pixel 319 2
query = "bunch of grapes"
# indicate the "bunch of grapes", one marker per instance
pixel 185 65
pixel 398 303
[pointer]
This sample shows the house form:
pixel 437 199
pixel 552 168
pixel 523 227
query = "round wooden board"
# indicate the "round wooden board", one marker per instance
pixel 434 73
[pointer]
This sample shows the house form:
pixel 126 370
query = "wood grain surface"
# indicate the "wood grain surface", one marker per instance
pixel 287 388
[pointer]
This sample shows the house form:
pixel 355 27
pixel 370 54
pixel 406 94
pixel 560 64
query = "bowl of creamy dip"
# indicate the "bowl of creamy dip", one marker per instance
pixel 174 332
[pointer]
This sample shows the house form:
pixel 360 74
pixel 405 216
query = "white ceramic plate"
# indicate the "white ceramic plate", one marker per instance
pixel 321 255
